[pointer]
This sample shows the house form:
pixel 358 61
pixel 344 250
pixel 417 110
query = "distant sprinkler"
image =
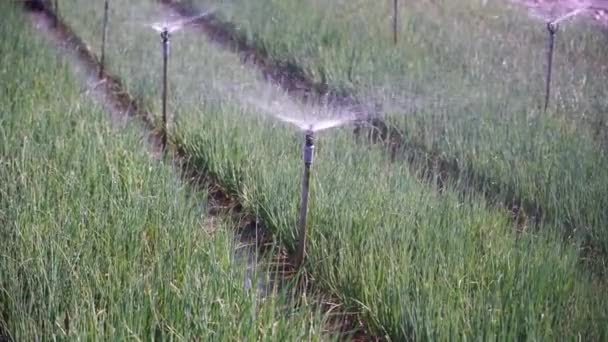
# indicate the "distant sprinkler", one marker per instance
pixel 56 10
pixel 164 37
pixel 104 33
pixel 552 28
pixel 395 20
pixel 166 29
pixel 308 157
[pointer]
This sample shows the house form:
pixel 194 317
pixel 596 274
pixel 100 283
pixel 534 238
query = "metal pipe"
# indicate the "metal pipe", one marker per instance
pixel 395 20
pixel 103 38
pixel 308 156
pixel 56 8
pixel 165 41
pixel 552 28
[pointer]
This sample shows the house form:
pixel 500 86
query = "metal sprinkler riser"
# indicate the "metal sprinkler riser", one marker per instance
pixel 309 148
pixel 164 37
pixel 102 64
pixel 308 156
pixel 165 40
pixel 395 20
pixel 552 28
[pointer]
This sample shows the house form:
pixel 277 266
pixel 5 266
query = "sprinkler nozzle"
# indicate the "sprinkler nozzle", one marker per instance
pixel 552 27
pixel 309 148
pixel 165 35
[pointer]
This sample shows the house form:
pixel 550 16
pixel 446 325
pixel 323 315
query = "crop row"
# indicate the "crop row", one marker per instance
pixel 465 82
pixel 100 241
pixel 417 263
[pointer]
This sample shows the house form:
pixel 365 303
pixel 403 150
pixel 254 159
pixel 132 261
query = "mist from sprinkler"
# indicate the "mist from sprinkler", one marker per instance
pixel 165 29
pixel 552 28
pixel 172 26
pixel 305 116
pixel 314 125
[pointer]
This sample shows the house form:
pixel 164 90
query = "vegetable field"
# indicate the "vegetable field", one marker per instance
pixel 445 202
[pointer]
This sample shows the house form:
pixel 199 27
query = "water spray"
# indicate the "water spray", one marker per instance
pixel 395 20
pixel 104 33
pixel 308 156
pixel 552 29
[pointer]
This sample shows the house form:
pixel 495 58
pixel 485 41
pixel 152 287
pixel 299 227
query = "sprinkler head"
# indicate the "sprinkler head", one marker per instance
pixel 176 25
pixel 309 148
pixel 552 27
pixel 165 35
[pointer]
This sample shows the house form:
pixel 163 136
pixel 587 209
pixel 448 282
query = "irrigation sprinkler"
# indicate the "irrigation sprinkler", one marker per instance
pixel 104 33
pixel 395 20
pixel 166 29
pixel 310 120
pixel 56 10
pixel 165 36
pixel 308 156
pixel 552 29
